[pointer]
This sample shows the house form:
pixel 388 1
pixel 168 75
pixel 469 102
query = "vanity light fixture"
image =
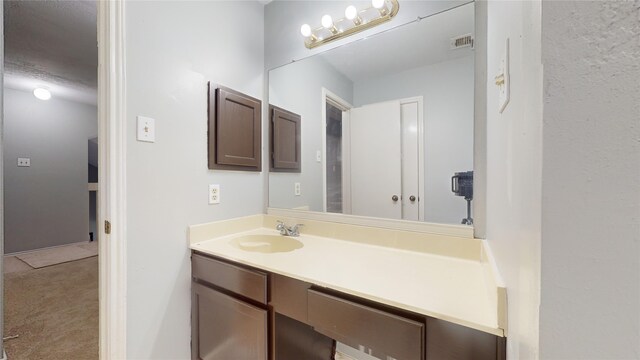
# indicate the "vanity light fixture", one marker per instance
pixel 353 22
pixel 42 93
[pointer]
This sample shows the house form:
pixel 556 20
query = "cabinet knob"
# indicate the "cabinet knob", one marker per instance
pixel 394 198
pixel 412 198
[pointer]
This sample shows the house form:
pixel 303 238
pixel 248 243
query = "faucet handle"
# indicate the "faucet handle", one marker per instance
pixel 295 229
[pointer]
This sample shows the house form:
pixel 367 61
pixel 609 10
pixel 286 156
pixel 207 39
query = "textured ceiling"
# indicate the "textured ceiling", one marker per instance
pixel 52 44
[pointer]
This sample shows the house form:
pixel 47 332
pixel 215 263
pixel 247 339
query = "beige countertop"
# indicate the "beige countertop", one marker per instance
pixel 453 287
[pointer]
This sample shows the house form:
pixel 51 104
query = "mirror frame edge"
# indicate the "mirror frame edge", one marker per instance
pixel 480 121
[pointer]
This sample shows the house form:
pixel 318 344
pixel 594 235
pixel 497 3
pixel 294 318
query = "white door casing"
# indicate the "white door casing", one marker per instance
pixel 112 179
pixel 337 101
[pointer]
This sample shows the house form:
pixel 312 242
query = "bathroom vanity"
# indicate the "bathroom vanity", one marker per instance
pixel 391 294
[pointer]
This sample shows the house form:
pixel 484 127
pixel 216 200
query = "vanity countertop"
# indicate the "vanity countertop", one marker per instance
pixel 455 289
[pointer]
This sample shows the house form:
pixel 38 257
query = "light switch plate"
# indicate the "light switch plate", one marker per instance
pixel 214 194
pixel 24 162
pixel 504 87
pixel 146 129
pixel 318 156
pixel 296 189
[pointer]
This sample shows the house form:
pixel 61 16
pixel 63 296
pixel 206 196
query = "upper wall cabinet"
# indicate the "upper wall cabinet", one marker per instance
pixel 234 130
pixel 285 140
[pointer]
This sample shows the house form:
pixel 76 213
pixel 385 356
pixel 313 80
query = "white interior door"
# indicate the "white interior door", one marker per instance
pixel 375 133
pixel 410 162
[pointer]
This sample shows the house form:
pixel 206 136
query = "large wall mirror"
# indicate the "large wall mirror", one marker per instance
pixel 387 123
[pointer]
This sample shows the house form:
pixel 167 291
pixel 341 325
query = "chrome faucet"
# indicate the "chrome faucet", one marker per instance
pixel 285 230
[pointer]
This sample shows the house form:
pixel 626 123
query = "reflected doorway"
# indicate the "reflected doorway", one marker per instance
pixel 334 158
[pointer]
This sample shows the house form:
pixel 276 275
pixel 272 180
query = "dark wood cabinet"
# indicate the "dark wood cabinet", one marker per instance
pixel 285 140
pixel 240 312
pixel 246 283
pixel 224 327
pixel 235 130
pixel 456 342
pixel 230 316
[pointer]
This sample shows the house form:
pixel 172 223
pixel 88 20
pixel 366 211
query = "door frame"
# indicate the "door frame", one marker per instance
pixel 337 101
pixel 112 139
pixel 346 153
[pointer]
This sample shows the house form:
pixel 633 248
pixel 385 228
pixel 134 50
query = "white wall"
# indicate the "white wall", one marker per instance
pixel 590 297
pixel 283 19
pixel 172 49
pixel 298 88
pixel 47 204
pixel 514 156
pixel 447 88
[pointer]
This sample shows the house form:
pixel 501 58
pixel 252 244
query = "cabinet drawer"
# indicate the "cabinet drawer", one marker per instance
pixel 248 283
pixel 378 333
pixel 289 297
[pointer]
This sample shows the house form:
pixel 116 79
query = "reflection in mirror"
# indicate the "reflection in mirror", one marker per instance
pixel 386 123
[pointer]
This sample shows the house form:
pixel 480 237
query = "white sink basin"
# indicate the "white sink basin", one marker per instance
pixel 266 243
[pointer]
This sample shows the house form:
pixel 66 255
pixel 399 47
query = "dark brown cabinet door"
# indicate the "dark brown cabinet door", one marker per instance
pixel 224 328
pixel 446 340
pixel 285 140
pixel 234 130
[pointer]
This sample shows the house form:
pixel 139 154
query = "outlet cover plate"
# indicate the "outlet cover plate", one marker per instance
pixel 24 162
pixel 214 194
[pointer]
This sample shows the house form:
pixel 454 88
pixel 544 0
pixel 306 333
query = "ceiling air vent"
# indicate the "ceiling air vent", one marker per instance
pixel 462 42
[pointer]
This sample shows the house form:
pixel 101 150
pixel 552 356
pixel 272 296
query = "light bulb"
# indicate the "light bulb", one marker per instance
pixel 350 12
pixel 305 30
pixel 42 94
pixel 378 4
pixel 327 22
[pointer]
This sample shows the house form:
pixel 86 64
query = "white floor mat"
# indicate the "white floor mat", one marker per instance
pixel 58 255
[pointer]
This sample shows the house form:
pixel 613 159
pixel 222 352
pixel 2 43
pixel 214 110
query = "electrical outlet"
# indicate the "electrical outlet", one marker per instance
pixel 214 194
pixel 296 189
pixel 24 162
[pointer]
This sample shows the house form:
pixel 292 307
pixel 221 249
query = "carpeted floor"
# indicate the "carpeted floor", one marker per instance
pixel 54 311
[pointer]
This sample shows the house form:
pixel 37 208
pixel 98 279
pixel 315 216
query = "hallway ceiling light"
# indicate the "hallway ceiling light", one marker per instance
pixel 353 22
pixel 42 93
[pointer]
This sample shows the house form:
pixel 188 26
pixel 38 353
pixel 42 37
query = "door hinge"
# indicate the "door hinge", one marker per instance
pixel 107 227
